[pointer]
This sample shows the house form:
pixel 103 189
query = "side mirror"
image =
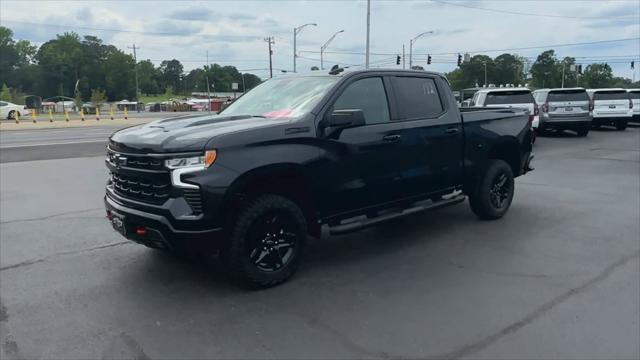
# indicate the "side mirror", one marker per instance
pixel 345 119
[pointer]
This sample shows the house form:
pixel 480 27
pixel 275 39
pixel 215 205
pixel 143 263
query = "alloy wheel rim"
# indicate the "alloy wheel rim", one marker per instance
pixel 499 191
pixel 272 242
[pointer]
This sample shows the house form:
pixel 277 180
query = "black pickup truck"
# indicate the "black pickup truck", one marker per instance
pixel 310 155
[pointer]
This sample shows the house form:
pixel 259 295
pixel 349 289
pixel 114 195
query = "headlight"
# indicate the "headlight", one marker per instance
pixel 203 161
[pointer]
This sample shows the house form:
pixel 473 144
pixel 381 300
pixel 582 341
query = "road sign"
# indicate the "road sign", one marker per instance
pixel 234 86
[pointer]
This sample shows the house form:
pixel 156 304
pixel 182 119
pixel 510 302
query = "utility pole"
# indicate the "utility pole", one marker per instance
pixel 296 30
pixel 563 64
pixel 135 60
pixel 368 30
pixel 208 87
pixel 403 56
pixel 271 41
pixel 485 74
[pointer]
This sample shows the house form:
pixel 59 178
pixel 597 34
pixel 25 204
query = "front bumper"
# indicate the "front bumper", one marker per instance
pixel 159 232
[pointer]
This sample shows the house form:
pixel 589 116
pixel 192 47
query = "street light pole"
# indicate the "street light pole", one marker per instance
pixel 485 73
pixel 295 34
pixel 323 47
pixel 368 30
pixel 411 46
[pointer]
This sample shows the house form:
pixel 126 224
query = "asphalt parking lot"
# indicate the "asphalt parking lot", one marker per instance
pixel 558 277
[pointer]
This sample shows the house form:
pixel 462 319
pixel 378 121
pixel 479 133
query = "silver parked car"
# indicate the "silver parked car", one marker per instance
pixel 564 109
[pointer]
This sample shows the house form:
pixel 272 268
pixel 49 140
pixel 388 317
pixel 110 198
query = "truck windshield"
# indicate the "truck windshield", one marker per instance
pixel 568 95
pixel 509 97
pixel 282 98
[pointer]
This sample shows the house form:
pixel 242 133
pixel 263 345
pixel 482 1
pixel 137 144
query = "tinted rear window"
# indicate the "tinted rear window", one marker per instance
pixel 611 95
pixel 577 95
pixel 635 94
pixel 417 97
pixel 509 97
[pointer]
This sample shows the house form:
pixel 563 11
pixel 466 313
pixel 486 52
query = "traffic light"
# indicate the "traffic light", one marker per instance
pixel 633 65
pixel 579 68
pixel 398 60
pixel 428 59
pixel 459 59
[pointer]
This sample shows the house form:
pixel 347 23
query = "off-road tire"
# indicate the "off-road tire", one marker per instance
pixel 481 201
pixel 235 255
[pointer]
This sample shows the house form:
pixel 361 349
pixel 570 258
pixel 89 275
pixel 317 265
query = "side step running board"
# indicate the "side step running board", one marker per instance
pixel 359 224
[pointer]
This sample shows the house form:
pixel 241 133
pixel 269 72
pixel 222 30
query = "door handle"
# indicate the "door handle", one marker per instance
pixel 451 130
pixel 391 138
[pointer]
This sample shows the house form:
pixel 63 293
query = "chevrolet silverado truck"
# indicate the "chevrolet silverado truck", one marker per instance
pixel 312 155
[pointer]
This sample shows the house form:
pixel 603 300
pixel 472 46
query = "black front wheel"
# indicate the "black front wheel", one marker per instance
pixel 494 191
pixel 267 242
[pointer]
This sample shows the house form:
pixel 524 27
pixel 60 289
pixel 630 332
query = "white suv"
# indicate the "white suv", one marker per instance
pixel 635 99
pixel 611 107
pixel 513 97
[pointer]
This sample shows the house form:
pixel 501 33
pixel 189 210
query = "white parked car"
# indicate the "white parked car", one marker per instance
pixel 513 97
pixel 9 110
pixel 611 107
pixel 635 99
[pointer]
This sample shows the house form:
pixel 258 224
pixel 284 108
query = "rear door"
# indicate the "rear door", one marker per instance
pixel 568 103
pixel 429 159
pixel 611 102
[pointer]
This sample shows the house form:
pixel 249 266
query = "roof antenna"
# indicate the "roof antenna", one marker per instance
pixel 335 70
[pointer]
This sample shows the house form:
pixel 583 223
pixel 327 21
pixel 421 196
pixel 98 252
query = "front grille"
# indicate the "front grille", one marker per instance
pixel 139 188
pixel 192 196
pixel 135 161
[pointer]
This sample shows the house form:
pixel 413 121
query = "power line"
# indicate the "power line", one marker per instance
pixel 536 14
pixel 484 51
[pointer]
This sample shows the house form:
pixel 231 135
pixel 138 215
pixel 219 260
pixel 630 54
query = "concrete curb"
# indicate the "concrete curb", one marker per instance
pixel 43 124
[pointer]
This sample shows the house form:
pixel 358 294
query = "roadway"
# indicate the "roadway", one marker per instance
pixel 25 145
pixel 558 277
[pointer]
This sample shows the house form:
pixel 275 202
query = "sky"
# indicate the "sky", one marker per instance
pixel 233 32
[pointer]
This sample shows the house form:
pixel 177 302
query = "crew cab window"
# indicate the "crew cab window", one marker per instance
pixel 369 96
pixel 509 97
pixel 417 98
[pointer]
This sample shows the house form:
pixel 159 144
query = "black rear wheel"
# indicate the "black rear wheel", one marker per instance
pixel 621 125
pixel 494 191
pixel 267 242
pixel 583 130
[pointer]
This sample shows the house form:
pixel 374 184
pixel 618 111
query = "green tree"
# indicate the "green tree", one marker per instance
pixel 59 61
pixel 251 81
pixel 148 77
pixel 509 69
pixel 570 77
pixel 171 72
pixel 98 97
pixel 597 76
pixel 545 70
pixel 5 93
pixel 119 76
pixel 417 67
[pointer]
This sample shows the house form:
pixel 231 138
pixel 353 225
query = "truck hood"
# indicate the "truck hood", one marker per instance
pixel 184 134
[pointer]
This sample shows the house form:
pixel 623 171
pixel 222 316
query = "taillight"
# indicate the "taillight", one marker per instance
pixel 536 110
pixel 591 105
pixel 545 107
pixel 630 104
